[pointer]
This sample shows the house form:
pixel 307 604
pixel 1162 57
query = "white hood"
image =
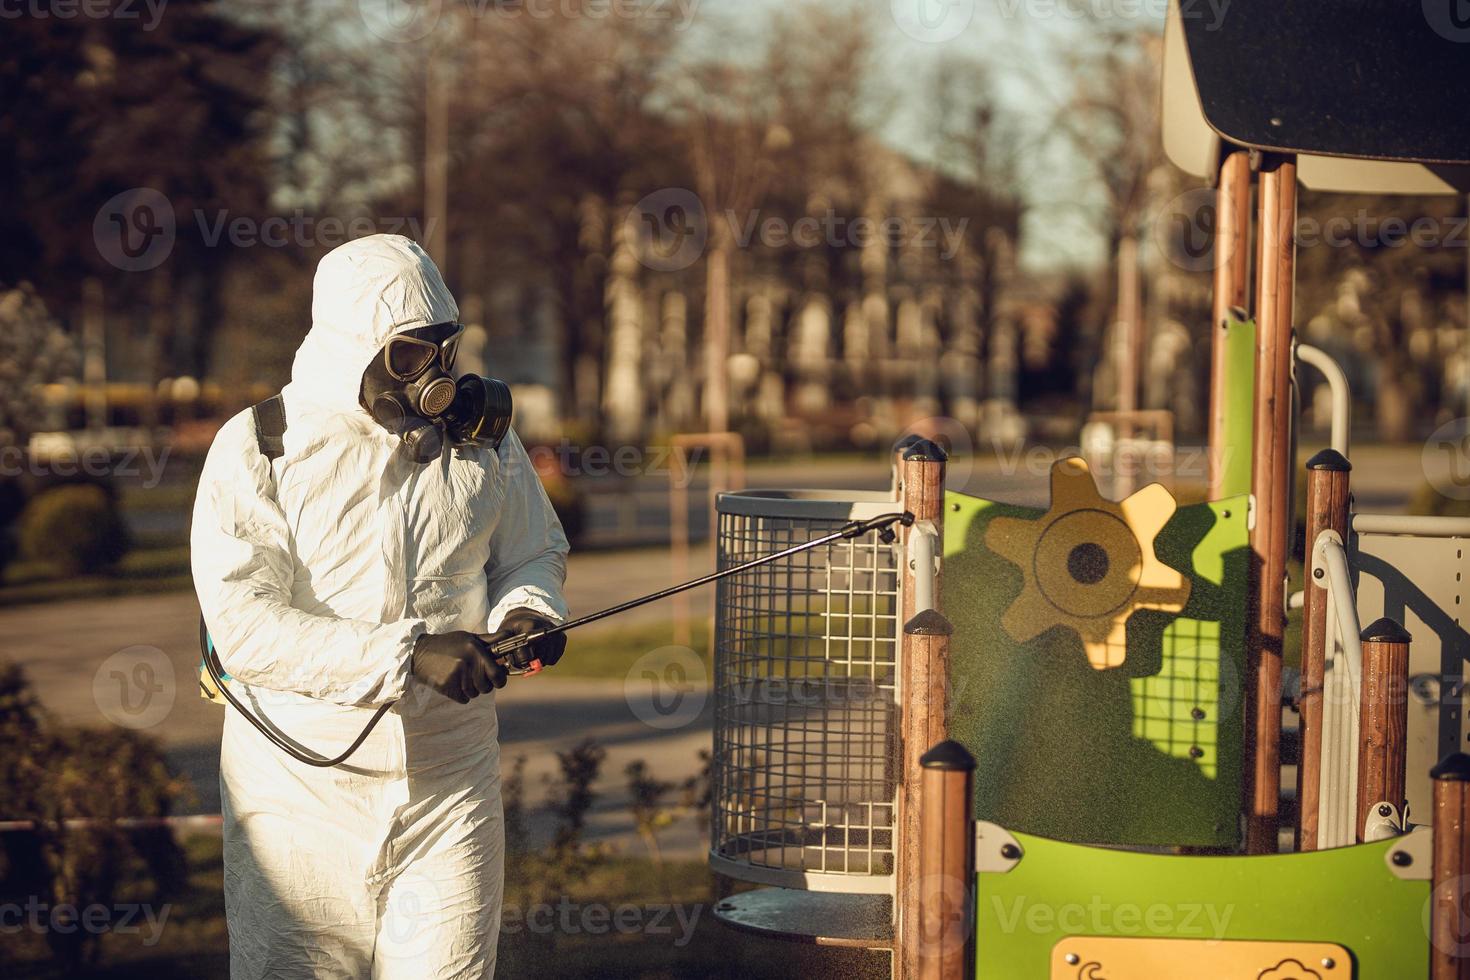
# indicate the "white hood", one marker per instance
pixel 365 292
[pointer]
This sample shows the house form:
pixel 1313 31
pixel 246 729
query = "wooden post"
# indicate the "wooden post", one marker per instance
pixel 1232 278
pixel 923 722
pixel 923 679
pixel 921 493
pixel 1327 509
pixel 944 949
pixel 1271 462
pixel 1383 726
pixel 1449 931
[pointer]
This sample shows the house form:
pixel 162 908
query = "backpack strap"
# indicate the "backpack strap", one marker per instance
pixel 270 427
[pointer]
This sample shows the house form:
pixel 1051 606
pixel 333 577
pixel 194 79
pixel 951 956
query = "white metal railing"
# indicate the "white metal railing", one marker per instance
pixel 1337 384
pixel 1341 696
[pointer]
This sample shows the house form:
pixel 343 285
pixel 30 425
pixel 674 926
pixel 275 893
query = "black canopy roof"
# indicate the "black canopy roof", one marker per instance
pixel 1379 79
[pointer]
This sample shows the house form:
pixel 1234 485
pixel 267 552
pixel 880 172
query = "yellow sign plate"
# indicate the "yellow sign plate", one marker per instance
pixel 1142 958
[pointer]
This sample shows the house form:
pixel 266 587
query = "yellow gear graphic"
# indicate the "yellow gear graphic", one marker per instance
pixel 1088 563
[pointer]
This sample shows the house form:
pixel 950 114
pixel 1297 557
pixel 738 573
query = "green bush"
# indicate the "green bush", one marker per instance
pixel 75 527
pixel 54 774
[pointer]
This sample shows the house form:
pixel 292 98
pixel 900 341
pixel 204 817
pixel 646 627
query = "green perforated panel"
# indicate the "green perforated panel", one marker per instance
pixel 1146 753
pixel 1347 896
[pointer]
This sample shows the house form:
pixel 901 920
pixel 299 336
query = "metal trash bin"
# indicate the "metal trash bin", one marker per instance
pixel 804 771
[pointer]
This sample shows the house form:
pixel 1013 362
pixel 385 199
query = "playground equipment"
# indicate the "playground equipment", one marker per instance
pixel 1111 673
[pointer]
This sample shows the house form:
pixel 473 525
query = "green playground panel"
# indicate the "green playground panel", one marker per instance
pixel 1347 895
pixel 1239 400
pixel 1148 753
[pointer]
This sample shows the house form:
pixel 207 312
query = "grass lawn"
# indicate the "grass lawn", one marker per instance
pixel 572 938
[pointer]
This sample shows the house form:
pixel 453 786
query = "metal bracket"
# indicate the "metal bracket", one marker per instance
pixel 996 850
pixel 1412 856
pixel 1383 821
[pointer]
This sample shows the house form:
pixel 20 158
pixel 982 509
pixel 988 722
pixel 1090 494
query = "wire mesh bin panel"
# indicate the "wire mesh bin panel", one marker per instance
pixel 804 772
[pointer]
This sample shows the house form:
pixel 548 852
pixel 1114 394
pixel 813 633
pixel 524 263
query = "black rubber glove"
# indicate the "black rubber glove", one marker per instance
pixel 519 622
pixel 457 665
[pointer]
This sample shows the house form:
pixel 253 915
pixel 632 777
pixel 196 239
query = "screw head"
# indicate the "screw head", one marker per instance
pixel 1072 959
pixel 1195 751
pixel 1198 714
pixel 1328 962
pixel 1402 859
pixel 1010 852
pixel 1318 573
pixel 1384 809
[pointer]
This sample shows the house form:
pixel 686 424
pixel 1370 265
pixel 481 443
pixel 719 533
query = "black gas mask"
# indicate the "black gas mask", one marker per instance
pixel 409 390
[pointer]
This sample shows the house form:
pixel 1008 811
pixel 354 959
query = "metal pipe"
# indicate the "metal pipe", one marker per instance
pixel 1340 583
pixel 1419 526
pixel 922 550
pixel 1337 383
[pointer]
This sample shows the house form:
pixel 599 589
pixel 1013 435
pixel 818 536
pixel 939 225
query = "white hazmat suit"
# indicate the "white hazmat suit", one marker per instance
pixel 316 574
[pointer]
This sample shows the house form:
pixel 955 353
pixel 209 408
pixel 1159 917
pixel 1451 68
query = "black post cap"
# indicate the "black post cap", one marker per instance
pixel 948 754
pixel 1329 459
pixel 1455 766
pixel 907 441
pixel 928 622
pixel 1385 630
pixel 925 450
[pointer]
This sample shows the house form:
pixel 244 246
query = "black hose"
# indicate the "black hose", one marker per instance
pixel 502 650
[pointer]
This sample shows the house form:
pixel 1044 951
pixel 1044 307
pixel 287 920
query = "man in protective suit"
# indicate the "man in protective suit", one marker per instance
pixel 354 569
